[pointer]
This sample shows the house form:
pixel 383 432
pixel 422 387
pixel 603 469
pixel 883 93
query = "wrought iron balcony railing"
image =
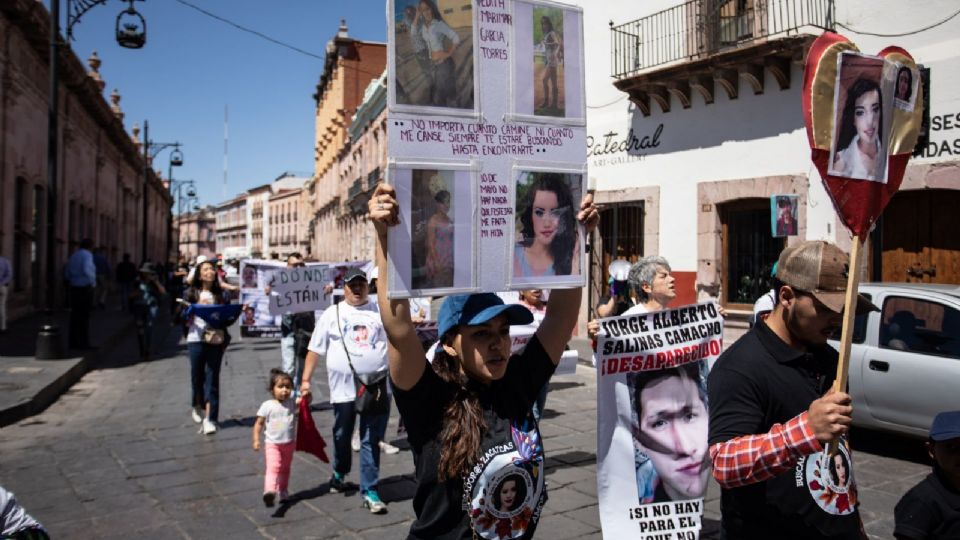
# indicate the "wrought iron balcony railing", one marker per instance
pixel 700 28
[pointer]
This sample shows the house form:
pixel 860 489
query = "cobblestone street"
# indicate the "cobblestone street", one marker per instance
pixel 118 456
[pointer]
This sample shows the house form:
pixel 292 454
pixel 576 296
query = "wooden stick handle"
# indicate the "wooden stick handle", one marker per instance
pixel 846 334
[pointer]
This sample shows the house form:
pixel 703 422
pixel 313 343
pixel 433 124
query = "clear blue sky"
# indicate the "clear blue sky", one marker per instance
pixel 193 66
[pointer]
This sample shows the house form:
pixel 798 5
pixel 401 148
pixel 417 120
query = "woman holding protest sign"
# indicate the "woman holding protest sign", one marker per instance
pixel 468 416
pixel 206 346
pixel 548 236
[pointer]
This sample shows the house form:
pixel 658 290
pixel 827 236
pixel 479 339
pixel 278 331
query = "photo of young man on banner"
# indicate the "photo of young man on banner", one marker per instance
pixel 783 215
pixel 549 246
pixel 653 418
pixel 433 55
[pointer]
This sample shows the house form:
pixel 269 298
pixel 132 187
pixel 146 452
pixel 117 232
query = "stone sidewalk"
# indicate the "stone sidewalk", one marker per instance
pixel 117 456
pixel 28 385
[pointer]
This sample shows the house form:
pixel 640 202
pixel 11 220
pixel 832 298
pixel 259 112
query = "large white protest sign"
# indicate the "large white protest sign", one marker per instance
pixel 486 99
pixel 652 426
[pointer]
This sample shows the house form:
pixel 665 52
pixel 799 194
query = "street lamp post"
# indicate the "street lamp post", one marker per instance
pixel 49 344
pixel 150 150
pixel 176 187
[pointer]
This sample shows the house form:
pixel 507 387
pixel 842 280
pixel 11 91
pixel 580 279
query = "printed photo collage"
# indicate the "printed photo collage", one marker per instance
pixel 435 59
pixel 434 250
pixel 446 210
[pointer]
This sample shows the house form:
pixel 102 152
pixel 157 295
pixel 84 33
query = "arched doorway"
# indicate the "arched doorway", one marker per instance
pixel 919 238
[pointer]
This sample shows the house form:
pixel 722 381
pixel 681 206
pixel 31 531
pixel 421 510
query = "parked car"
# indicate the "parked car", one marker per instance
pixel 905 359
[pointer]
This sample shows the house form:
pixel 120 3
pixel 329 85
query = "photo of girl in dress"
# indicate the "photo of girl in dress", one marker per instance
pixel 433 235
pixel 862 119
pixel 548 243
pixel 433 53
pixel 548 62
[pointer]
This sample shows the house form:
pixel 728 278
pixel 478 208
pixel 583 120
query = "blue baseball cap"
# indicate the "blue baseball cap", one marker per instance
pixel 946 426
pixel 471 309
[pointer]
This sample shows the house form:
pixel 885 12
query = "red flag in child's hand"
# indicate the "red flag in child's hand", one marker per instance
pixel 308 438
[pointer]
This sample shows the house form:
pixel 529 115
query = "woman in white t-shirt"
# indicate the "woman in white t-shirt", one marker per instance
pixel 206 354
pixel 278 417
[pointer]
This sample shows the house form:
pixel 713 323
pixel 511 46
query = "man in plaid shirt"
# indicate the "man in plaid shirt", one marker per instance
pixel 772 413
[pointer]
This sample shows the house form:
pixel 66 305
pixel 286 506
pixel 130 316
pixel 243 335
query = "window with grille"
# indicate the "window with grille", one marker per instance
pixel 749 251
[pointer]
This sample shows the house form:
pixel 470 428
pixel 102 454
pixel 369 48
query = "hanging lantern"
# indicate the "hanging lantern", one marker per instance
pixel 176 157
pixel 191 192
pixel 131 28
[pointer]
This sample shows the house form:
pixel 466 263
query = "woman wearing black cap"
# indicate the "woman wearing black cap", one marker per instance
pixel 468 417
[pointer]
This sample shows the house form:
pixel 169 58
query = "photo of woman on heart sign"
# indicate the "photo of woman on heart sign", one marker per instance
pixel 860 145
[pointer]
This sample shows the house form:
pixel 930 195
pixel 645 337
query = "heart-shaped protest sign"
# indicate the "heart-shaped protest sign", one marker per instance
pixel 863 115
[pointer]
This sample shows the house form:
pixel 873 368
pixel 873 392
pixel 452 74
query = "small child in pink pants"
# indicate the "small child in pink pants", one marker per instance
pixel 278 415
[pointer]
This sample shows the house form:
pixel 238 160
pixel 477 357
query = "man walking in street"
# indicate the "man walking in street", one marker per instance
pixel 772 412
pixel 126 274
pixel 81 274
pixel 6 275
pixel 350 337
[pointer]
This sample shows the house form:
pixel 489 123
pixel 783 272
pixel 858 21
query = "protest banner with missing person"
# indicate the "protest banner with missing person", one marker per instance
pixel 489 170
pixel 257 319
pixel 652 425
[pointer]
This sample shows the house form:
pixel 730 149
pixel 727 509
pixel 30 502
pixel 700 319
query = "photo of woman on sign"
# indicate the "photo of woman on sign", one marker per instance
pixel 670 433
pixel 860 150
pixel 433 54
pixel 549 51
pixel 432 246
pixel 547 243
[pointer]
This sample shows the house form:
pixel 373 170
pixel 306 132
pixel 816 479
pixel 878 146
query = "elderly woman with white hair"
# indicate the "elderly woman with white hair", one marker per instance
pixel 655 288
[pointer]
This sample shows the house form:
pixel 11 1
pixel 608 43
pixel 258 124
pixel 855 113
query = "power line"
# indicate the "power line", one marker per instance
pixel 614 102
pixel 924 29
pixel 249 30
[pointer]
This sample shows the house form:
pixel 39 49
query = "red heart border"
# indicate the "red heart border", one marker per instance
pixel 859 203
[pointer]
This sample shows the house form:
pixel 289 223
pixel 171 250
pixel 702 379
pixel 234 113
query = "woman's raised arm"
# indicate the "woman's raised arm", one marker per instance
pixel 405 354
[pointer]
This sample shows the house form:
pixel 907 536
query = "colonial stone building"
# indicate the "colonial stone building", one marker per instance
pixel 349 67
pixel 100 184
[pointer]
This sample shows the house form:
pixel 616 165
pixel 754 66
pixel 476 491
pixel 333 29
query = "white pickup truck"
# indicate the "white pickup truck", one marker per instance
pixel 905 359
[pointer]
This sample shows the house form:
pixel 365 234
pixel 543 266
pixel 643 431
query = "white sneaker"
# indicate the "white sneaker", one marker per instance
pixel 209 428
pixel 388 448
pixel 195 414
pixel 355 442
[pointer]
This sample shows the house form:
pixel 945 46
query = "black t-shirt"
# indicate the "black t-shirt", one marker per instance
pixel 929 511
pixel 505 490
pixel 756 383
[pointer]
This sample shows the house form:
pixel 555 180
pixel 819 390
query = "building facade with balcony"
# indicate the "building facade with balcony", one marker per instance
pixel 233 234
pixel 349 67
pixel 197 234
pixel 100 183
pixel 695 120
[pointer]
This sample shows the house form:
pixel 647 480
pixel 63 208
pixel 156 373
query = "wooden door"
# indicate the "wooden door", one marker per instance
pixel 921 239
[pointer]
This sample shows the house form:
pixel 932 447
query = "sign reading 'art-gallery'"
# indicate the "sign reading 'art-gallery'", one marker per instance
pixel 652 426
pixel 486 145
